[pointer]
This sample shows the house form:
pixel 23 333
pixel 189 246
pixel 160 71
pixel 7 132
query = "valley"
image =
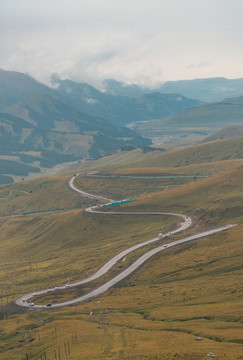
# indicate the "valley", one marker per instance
pixel 47 130
pixel 121 180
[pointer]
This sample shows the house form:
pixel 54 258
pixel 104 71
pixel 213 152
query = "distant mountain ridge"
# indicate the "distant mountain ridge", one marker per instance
pixel 121 110
pixel 206 90
pixel 16 88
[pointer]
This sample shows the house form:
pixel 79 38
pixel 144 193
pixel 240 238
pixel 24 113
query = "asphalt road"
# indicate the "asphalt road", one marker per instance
pixel 186 222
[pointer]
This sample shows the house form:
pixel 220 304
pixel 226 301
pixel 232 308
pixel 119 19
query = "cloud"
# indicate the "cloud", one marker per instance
pixel 199 65
pixel 141 41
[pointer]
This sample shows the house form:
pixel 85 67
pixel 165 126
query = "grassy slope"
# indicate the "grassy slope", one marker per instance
pixel 186 292
pixel 226 133
pixel 35 247
pixel 127 188
pixel 118 157
pixel 210 168
pixel 218 198
pixel 44 193
pixel 205 153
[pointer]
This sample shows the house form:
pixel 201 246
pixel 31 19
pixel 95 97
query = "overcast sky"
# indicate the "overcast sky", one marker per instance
pixel 136 41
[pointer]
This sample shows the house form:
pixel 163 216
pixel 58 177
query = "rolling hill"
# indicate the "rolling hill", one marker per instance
pixel 226 133
pixel 203 119
pixel 202 156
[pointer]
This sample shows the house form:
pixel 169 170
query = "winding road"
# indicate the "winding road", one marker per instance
pixel 23 300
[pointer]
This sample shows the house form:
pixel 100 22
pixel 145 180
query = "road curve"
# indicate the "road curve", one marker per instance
pixel 23 300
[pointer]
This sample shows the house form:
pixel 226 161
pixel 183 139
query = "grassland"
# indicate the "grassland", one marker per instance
pixel 207 168
pixel 157 313
pixel 118 157
pixel 35 247
pixel 217 151
pixel 40 194
pixel 212 200
pixel 116 188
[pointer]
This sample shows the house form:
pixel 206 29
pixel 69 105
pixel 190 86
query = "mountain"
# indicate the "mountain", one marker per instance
pixel 15 87
pixel 18 88
pixel 122 110
pixel 206 90
pixel 39 128
pixel 42 126
pixel 25 148
pixel 49 113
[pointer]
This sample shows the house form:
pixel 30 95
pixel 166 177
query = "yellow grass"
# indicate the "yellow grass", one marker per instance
pixel 176 297
pixel 193 169
pixel 44 193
